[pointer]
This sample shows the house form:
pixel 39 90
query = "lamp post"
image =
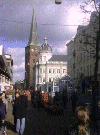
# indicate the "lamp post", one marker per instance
pixel 58 1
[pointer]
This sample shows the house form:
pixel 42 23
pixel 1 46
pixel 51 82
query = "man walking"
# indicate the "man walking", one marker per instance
pixel 74 99
pixel 21 110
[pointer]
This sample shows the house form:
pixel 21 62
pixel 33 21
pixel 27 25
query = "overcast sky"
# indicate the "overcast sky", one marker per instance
pixel 52 22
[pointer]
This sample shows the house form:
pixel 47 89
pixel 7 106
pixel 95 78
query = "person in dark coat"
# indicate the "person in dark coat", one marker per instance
pixel 82 125
pixel 74 99
pixel 32 97
pixel 20 111
pixel 2 113
pixel 17 94
pixel 64 99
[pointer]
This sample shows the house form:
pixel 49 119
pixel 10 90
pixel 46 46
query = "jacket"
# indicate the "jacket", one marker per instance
pixel 20 107
pixel 74 131
pixel 2 111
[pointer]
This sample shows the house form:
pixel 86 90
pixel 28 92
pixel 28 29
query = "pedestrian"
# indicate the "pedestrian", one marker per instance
pixel 38 99
pixel 27 94
pixel 20 113
pixel 32 97
pixel 4 98
pixel 2 113
pixel 74 99
pixel 64 99
pixel 17 94
pixel 82 125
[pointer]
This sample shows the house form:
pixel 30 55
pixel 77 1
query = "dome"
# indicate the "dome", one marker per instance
pixel 45 46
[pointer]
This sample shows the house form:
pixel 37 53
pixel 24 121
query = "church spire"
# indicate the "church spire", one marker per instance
pixel 33 39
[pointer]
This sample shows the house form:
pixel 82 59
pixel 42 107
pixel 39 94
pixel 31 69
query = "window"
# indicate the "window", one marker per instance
pixel 40 79
pixel 64 70
pixel 90 69
pixel 80 69
pixel 49 89
pixel 81 56
pixel 54 71
pixel 84 55
pixel 84 70
pixel 87 70
pixel 49 79
pixel 74 53
pixel 74 66
pixel 77 72
pixel 43 79
pixel 49 70
pixel 40 70
pixel 58 70
pixel 49 49
pixel 44 58
pixel 43 70
pixel 40 58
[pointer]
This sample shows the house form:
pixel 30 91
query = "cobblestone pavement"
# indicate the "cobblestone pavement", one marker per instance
pixel 38 122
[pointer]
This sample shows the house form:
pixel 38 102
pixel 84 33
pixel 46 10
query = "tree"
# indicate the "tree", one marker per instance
pixel 91 45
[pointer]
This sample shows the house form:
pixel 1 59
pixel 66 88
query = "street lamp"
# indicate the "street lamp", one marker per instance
pixel 58 1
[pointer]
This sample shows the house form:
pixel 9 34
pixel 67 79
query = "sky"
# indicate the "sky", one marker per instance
pixel 56 22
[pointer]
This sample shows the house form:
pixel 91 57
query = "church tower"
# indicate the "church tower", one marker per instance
pixel 31 53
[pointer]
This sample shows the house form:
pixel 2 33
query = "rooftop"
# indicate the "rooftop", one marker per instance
pixel 58 58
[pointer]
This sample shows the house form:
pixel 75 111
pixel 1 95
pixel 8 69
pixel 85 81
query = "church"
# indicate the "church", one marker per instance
pixel 42 67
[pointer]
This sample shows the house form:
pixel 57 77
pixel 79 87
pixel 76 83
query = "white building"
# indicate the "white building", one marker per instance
pixel 6 74
pixel 48 68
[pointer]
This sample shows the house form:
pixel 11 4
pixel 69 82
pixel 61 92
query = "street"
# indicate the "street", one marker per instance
pixel 38 122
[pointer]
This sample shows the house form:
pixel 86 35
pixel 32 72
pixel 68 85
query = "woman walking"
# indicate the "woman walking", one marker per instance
pixel 82 126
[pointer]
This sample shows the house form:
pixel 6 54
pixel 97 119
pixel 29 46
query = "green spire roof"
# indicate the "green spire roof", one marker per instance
pixel 33 40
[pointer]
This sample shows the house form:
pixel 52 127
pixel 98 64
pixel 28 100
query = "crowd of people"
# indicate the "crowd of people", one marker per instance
pixel 19 103
pixel 81 126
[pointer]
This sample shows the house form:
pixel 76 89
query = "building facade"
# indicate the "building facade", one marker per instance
pixel 48 68
pixel 6 73
pixel 81 51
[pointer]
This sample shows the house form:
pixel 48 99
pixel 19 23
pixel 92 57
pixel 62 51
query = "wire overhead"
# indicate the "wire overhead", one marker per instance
pixel 40 24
